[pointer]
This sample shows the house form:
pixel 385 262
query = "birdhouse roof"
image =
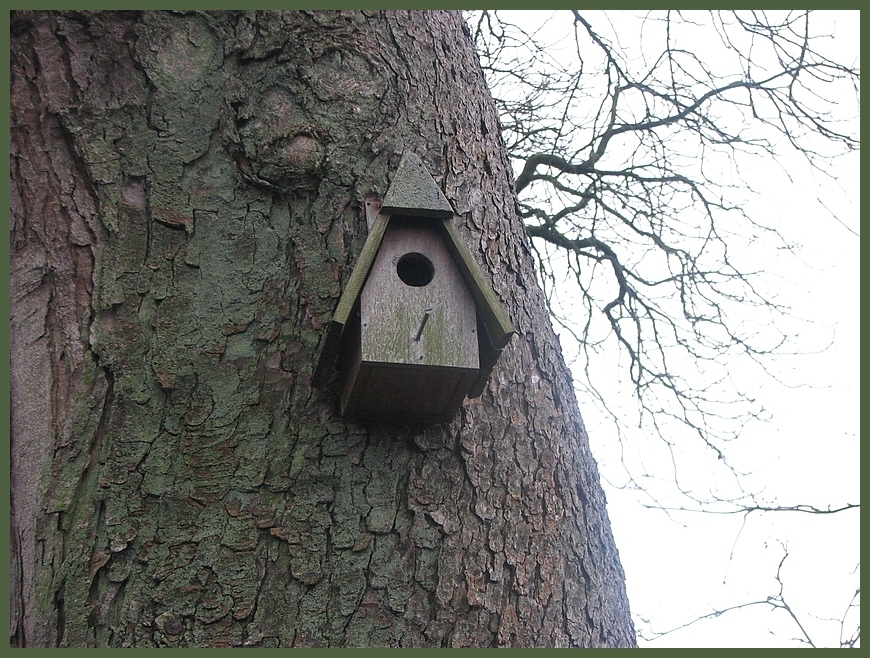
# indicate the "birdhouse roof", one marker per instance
pixel 414 193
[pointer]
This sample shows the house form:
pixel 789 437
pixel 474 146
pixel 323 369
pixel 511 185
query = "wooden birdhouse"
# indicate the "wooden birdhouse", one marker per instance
pixel 418 328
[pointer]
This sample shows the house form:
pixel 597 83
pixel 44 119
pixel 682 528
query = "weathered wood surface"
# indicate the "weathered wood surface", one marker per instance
pixel 493 314
pixel 391 311
pixel 418 352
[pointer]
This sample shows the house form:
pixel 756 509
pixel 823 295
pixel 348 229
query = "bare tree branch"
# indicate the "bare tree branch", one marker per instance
pixel 774 602
pixel 625 161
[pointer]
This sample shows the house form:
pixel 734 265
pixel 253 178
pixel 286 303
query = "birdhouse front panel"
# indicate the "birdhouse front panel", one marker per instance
pixel 415 308
pixel 418 346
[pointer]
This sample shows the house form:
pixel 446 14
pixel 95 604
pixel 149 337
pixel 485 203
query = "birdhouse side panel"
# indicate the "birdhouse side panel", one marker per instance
pixel 415 307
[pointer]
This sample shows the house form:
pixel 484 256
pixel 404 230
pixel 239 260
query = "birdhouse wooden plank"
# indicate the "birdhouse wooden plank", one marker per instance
pixel 417 328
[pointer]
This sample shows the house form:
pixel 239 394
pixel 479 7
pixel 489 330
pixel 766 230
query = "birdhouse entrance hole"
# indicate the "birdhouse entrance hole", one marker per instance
pixel 415 270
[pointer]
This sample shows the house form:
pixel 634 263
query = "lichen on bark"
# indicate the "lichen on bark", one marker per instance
pixel 188 201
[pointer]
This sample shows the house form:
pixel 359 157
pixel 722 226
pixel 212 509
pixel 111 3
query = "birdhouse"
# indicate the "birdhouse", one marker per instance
pixel 417 328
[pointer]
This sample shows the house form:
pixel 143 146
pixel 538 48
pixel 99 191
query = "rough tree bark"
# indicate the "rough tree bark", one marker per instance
pixel 187 201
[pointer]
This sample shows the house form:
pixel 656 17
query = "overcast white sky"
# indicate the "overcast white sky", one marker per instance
pixel 808 454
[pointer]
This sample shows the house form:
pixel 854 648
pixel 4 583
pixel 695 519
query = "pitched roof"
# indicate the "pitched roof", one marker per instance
pixel 414 192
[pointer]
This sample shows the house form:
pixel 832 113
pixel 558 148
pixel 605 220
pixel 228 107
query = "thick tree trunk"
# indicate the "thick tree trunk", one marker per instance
pixel 187 201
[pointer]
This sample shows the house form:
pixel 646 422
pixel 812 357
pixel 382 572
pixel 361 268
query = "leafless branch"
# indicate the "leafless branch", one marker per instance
pixel 634 162
pixel 774 602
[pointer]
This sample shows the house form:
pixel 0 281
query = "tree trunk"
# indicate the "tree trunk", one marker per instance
pixel 187 202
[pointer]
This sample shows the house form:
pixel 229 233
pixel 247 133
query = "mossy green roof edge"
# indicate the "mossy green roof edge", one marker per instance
pixel 491 311
pixel 348 300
